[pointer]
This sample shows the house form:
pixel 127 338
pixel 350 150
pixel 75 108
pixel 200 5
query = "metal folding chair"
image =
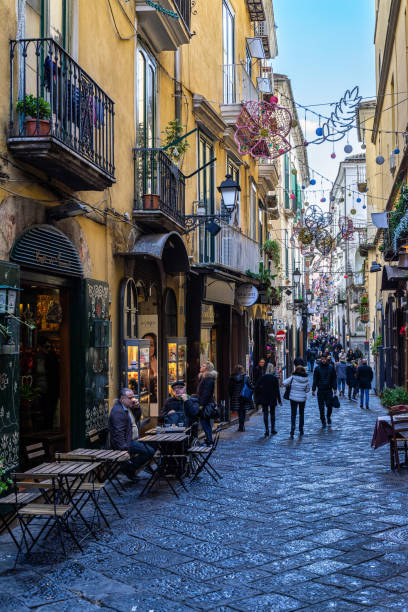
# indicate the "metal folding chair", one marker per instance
pixel 200 460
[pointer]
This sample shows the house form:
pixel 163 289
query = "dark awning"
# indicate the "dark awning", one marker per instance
pixel 391 277
pixel 168 248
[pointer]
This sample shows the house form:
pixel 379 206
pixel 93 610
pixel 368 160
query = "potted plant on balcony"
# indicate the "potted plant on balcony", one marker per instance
pixel 173 131
pixel 272 249
pixel 32 108
pixel 363 308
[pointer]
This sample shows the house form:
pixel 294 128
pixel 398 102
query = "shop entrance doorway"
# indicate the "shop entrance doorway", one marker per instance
pixel 44 364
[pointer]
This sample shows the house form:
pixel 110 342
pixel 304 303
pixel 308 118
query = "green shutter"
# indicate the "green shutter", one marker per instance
pixel 9 375
pixel 90 397
pixel 287 200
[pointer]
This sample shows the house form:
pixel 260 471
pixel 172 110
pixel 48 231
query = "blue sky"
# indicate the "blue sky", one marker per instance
pixel 325 47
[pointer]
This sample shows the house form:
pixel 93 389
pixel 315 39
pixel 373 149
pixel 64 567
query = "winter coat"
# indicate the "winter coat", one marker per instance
pixel 235 385
pixel 185 412
pixel 267 390
pixel 324 378
pixel 120 427
pixel 350 355
pixel 258 372
pixel 205 390
pixel 364 376
pixel 298 361
pixel 299 387
pixel 341 367
pixel 351 372
pixel 358 354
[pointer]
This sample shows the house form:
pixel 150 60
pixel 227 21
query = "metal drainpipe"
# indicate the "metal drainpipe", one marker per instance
pixel 177 85
pixel 21 19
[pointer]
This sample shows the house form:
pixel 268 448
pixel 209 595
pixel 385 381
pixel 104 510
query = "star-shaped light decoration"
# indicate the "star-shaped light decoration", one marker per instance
pixel 261 130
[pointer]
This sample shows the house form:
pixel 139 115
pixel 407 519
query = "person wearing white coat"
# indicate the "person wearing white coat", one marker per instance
pixel 299 388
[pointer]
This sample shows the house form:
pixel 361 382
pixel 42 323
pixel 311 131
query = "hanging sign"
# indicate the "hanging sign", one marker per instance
pixel 280 335
pixel 246 294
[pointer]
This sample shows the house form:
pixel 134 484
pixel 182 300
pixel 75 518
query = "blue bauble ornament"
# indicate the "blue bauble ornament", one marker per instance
pixel 313 181
pixel 396 151
pixel 358 200
pixel 323 200
pixel 364 206
pixel 348 149
pixel 379 160
pixel 332 198
pixel 303 187
pixel 319 131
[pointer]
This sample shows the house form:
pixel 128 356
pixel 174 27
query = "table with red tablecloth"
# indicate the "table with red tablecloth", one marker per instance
pixel 383 430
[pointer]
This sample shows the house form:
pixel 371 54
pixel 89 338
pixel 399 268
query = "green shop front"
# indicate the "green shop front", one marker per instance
pixel 54 347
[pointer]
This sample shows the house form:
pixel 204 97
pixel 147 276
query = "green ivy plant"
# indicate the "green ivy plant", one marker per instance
pixel 394 397
pixel 5 482
pixel 28 107
pixel 272 248
pixel 173 131
pixel 376 346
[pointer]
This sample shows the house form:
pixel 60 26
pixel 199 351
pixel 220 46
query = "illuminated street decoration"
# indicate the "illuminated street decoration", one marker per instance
pixel 261 130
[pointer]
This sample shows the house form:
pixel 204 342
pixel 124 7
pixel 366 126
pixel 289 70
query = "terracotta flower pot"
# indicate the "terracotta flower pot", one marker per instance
pixel 31 127
pixel 151 201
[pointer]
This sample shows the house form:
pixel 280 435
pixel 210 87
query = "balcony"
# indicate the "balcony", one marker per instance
pixel 238 88
pixel 236 251
pixel 164 31
pixel 61 121
pixel 268 173
pixel 159 192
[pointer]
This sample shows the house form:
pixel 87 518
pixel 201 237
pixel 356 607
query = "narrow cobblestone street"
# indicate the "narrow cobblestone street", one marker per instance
pixel 315 523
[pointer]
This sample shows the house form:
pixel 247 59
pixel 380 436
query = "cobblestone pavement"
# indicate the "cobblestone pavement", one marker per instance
pixel 315 523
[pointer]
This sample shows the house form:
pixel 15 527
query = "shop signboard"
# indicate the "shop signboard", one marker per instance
pixel 280 335
pixel 246 295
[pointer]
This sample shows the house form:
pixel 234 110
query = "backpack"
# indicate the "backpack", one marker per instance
pixel 247 390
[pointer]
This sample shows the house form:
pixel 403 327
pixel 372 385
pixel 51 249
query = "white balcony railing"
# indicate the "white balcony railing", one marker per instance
pixel 235 250
pixel 238 87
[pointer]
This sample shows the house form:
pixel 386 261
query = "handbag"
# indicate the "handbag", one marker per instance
pixel 335 402
pixel 246 391
pixel 211 411
pixel 287 391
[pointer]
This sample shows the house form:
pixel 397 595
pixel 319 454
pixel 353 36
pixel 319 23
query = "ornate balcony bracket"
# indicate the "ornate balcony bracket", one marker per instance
pixel 194 221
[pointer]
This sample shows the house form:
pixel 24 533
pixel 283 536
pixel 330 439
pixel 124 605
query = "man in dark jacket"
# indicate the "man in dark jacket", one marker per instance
pixel 325 381
pixel 124 433
pixel 311 357
pixel 299 362
pixel 180 407
pixel 357 353
pixel 267 393
pixel 364 378
pixel 259 370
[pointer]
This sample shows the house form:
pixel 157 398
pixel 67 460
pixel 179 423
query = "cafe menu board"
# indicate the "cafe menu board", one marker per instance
pixel 176 360
pixel 137 375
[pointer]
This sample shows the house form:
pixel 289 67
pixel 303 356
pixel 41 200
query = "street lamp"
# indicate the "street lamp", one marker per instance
pixel 309 296
pixel 229 190
pixel 296 277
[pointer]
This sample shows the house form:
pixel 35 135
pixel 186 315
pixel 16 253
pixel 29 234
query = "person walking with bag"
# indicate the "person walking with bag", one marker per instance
pixel 325 381
pixel 364 378
pixel 341 374
pixel 206 399
pixel 240 392
pixel 297 387
pixel 267 393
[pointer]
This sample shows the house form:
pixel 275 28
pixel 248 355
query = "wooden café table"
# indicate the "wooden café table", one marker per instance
pixel 64 480
pixel 110 460
pixel 173 447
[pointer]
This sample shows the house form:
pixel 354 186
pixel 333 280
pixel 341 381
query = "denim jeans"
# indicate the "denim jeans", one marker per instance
pixel 311 364
pixel 207 428
pixel 341 384
pixel 139 453
pixel 364 393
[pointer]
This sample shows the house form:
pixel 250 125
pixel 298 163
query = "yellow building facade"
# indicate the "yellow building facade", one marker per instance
pixel 120 265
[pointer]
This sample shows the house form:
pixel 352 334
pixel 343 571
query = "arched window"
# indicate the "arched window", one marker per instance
pixel 129 309
pixel 171 313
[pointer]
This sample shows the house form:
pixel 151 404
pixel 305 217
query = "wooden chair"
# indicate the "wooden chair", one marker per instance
pixel 200 459
pixel 399 436
pixel 35 454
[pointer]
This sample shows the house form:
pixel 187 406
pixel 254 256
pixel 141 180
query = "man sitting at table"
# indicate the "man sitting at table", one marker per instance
pixel 180 408
pixel 124 433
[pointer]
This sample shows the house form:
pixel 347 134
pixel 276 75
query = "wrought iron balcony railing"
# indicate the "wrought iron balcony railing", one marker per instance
pixel 235 250
pixel 184 8
pixel 51 96
pixel 159 184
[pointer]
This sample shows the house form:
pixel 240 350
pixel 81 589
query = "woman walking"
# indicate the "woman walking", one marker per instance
pixel 341 374
pixel 299 387
pixel 205 397
pixel 267 393
pixel 351 379
pixel 238 403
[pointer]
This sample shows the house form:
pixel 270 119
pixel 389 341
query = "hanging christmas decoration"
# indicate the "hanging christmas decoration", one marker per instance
pixel 348 148
pixel 353 211
pixel 363 145
pixel 313 181
pixel 319 131
pixel 358 200
pixel 333 156
pixel 342 119
pixel 364 206
pixel 397 151
pixel 261 130
pixel 323 199
pixel 161 9
pixel 292 196
pixel 379 160
pixel 294 171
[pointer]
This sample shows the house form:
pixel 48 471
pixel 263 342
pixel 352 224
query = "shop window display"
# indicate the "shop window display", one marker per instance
pixel 176 360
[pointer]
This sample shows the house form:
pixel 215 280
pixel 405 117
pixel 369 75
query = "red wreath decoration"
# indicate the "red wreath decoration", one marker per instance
pixel 261 128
